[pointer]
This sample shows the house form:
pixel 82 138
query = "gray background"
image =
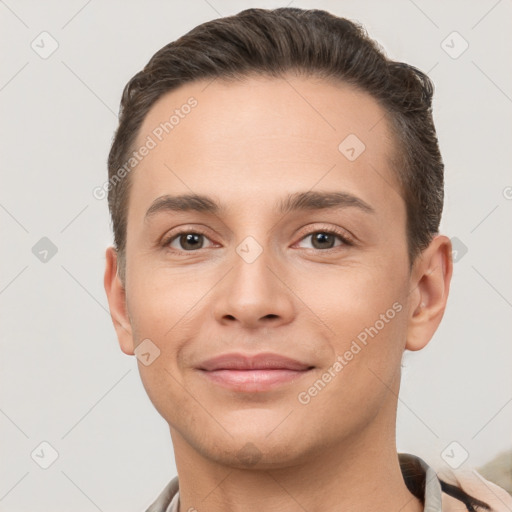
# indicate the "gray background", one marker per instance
pixel 63 378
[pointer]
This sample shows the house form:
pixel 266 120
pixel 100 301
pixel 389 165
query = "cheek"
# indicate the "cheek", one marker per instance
pixel 366 341
pixel 366 315
pixel 161 305
pixel 164 309
pixel 354 297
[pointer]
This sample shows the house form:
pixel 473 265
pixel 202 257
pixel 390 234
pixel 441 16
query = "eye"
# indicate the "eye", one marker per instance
pixel 326 239
pixel 186 241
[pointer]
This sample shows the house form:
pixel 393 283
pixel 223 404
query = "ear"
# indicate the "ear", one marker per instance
pixel 430 285
pixel 116 296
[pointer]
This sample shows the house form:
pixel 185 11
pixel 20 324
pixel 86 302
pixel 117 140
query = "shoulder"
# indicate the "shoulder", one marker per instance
pixel 449 490
pixel 165 497
pixel 474 484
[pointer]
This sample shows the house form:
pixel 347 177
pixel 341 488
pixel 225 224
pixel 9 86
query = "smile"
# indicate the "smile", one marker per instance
pixel 253 381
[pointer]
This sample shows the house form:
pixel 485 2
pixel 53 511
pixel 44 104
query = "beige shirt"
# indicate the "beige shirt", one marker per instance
pixel 434 499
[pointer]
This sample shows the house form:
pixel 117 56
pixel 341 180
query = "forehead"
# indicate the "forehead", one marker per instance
pixel 265 133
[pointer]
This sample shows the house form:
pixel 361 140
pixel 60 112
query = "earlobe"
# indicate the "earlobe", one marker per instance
pixel 430 285
pixel 116 296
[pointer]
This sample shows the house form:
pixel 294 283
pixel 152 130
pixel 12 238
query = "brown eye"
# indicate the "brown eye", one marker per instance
pixel 324 240
pixel 188 241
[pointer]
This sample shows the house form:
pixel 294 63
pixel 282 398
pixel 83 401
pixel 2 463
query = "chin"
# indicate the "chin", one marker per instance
pixel 256 456
pixel 250 447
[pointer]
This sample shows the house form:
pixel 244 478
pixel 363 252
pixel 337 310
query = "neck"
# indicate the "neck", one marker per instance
pixel 363 473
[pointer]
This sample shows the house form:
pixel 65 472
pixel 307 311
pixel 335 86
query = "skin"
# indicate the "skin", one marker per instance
pixel 249 144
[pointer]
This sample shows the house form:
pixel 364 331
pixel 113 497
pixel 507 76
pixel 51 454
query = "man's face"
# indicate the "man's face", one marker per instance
pixel 257 279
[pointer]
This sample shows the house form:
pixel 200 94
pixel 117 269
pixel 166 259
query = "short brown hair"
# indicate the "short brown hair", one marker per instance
pixel 311 43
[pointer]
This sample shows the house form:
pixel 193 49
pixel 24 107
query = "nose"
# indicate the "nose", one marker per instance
pixel 254 294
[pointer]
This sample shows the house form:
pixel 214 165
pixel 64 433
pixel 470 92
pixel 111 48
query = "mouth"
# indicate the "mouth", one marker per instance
pixel 252 374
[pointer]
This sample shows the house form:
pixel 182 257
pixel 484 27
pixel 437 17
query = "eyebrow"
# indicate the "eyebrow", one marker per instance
pixel 322 201
pixel 299 201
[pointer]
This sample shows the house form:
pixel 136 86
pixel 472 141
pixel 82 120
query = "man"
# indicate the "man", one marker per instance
pixel 276 189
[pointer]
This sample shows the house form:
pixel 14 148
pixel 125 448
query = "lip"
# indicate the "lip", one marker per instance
pixel 261 361
pixel 253 373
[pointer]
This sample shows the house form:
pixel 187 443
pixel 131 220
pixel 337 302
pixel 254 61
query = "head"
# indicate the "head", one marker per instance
pixel 256 140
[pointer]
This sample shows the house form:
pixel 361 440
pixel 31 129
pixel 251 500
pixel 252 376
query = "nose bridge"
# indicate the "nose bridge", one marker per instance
pixel 251 292
pixel 251 266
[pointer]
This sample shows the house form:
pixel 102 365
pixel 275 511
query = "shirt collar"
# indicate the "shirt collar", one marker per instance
pixel 433 496
pixel 421 480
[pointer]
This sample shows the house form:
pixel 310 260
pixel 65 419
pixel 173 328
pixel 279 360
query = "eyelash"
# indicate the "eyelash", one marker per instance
pixel 347 241
pixel 342 235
